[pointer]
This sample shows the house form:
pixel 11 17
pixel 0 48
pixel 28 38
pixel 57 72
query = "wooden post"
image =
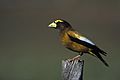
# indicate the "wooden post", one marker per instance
pixel 72 70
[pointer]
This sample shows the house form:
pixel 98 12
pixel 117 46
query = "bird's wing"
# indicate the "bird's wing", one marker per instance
pixel 75 37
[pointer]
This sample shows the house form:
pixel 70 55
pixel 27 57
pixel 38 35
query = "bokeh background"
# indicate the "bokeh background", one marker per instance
pixel 31 51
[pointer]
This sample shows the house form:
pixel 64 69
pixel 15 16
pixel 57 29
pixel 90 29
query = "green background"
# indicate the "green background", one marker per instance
pixel 29 50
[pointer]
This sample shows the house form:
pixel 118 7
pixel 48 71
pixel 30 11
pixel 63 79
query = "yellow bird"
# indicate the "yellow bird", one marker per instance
pixel 74 41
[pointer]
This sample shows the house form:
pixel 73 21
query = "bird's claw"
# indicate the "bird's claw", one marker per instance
pixel 74 58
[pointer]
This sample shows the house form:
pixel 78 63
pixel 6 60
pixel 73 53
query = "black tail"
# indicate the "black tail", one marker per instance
pixel 100 51
pixel 99 56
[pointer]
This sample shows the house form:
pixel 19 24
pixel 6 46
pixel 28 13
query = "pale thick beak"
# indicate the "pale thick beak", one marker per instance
pixel 52 25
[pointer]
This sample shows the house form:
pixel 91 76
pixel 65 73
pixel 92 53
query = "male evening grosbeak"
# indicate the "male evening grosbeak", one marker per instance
pixel 74 41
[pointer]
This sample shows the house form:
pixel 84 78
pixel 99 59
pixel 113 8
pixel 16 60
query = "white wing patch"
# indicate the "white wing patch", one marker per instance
pixel 86 40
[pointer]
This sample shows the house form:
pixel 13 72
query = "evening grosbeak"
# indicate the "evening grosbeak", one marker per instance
pixel 74 41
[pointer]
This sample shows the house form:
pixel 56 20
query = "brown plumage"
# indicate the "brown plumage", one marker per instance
pixel 65 40
pixel 74 41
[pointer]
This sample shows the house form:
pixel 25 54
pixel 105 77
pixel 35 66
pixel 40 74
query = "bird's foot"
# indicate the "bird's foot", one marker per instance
pixel 74 58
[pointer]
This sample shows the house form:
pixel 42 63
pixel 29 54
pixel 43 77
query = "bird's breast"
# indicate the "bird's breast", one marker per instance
pixel 65 39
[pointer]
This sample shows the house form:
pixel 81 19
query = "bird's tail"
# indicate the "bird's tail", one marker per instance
pixel 102 52
pixel 97 54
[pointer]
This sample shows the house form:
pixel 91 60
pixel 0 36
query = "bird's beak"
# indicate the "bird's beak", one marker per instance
pixel 52 25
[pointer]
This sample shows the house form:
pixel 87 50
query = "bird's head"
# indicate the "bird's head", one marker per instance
pixel 59 24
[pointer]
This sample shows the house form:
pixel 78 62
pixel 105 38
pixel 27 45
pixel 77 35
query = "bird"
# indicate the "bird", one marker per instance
pixel 72 40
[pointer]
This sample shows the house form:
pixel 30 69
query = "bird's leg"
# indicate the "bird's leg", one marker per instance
pixel 81 53
pixel 74 58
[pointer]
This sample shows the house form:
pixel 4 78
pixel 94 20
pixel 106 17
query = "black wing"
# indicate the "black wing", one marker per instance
pixel 95 50
pixel 94 47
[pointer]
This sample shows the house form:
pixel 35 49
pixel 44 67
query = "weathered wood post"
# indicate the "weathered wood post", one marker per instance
pixel 72 70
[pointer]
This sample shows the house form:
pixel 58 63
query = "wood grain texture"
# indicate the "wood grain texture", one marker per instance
pixel 72 70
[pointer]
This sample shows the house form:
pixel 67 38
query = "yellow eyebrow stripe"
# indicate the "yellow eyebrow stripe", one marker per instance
pixel 58 21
